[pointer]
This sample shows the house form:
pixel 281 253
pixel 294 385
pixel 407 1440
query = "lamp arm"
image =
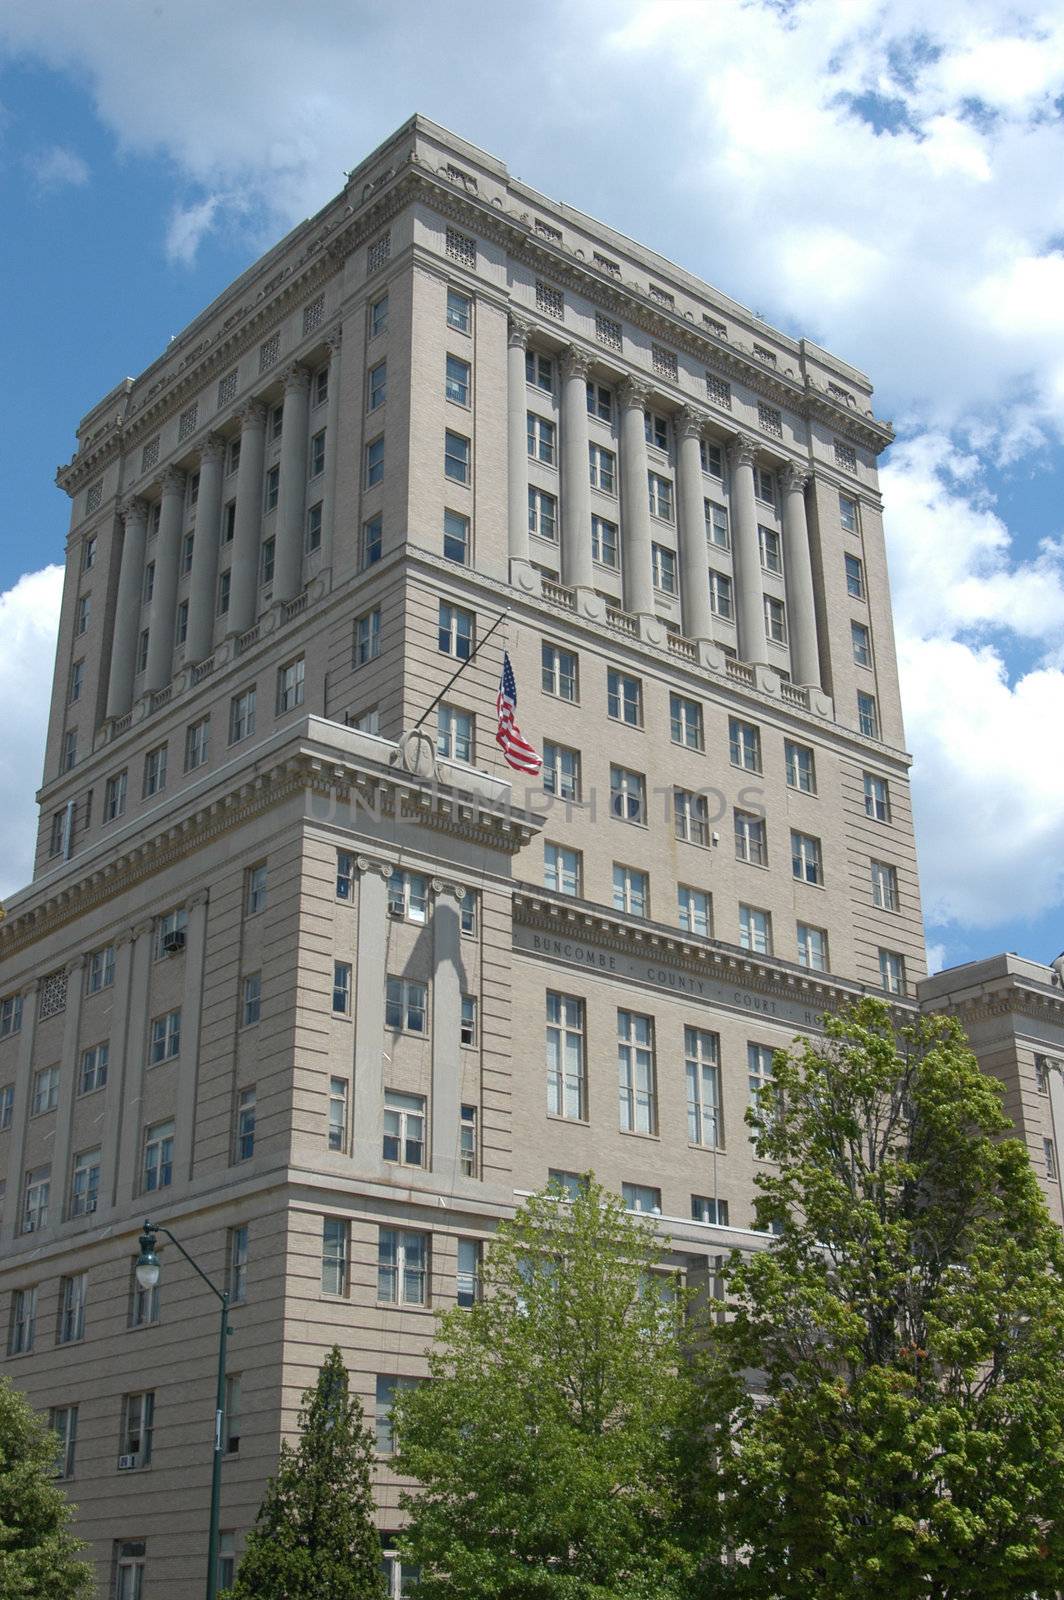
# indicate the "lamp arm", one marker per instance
pixel 157 1227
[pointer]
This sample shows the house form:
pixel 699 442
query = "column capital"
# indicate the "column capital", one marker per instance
pixel 575 363
pixel 196 900
pixel 296 378
pixel 742 450
pixel 441 887
pixel 142 929
pixel 173 481
pixel 794 478
pixel 212 448
pixel 252 416
pixel 125 937
pixel 518 332
pixel 691 422
pixel 135 509
pixel 633 394
pixel 383 868
pixel 334 338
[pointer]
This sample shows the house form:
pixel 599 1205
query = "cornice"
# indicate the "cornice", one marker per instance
pixel 1005 998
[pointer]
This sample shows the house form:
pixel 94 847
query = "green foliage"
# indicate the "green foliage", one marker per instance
pixel 554 1445
pixel 38 1555
pixel 910 1326
pixel 314 1538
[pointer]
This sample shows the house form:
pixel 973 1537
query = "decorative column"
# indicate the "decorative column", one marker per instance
pixel 691 509
pixel 203 581
pixel 118 1056
pixel 332 445
pixel 446 1109
pixel 367 1103
pixel 64 1111
pixel 162 614
pixel 127 609
pixel 576 482
pixel 292 501
pixel 517 454
pixel 801 608
pixel 191 1016
pixel 635 500
pixel 749 598
pixel 11 1205
pixel 129 1113
pixel 244 573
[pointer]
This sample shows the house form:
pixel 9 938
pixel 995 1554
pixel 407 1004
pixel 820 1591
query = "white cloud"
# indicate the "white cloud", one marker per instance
pixel 58 168
pixel 29 621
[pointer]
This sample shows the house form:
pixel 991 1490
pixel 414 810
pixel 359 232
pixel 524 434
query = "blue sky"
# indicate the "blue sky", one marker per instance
pixel 885 184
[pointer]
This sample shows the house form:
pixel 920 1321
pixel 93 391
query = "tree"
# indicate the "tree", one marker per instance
pixel 552 1443
pixel 909 1323
pixel 314 1537
pixel 38 1554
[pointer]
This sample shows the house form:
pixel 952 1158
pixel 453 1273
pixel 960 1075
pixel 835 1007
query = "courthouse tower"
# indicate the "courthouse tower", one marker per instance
pixel 327 996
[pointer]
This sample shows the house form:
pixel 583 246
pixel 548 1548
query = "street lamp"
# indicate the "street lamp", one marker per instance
pixel 148 1273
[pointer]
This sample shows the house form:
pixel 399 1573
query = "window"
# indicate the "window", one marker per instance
pixel 602 467
pixel 70 750
pixel 82 615
pixel 337 1113
pixel 23 1329
pixel 549 300
pixel 624 698
pixel 341 996
pixel 266 563
pixel 290 685
pixel 402 1267
pixel 88 559
pixel 806 862
pixel 801 767
pixel 660 491
pixel 812 948
pixel 251 1003
pixel 854 578
pixel 848 514
pixel 769 419
pixel 377 386
pixel 691 816
pixel 755 930
pixel 892 971
pixel 456 537
pixel 720 594
pixel 375 461
pixel 345 875
pixel 663 567
pixel 636 1073
pixel 656 430
pixel 467 1281
pixel 406 1005
pixel 862 644
pixel 77 680
pixel 845 456
pixel 149 583
pixel 628 795
pixel 542 513
pixel 744 742
pixel 231 1414
pixel 368 637
pixel 378 316
pixel 702 1062
pixel 242 715
pixel 36 1199
pixel 459 311
pixel 1049 1151
pixel 716 524
pixel 559 672
pixel 85 1183
pixel 226 1561
pixel 165 1041
pixel 571 1184
pixel 566 1069
pixel 561 771
pixel 876 798
pixel 335 1255
pixel 408 894
pixel 273 489
pixel 73 1292
pixel 764 486
pixel 454 733
pixel 320 391
pixel 7 1106
pixel 232 461
pixel 63 1420
pixel 631 890
pixel 542 437
pixel 10 1015
pixel 138 1424
pixel 456 457
pixel 45 1091
pixel 705 1208
pixel 758 1072
pixel 155 771
pixel 143 1303
pixel 775 620
pixel 686 721
pixel 468 914
pixel 170 932
pixel 640 1197
pixel 768 541
pixel 712 455
pixel 867 715
pixel 158 1156
pixel 100 969
pixel 694 910
pixel 884 886
pixel 115 796
pixel 599 402
pixel 604 542
pixel 562 869
pixel 387 1389
pixel 750 841
pixel 467 1144
pixel 313 535
pixel 188 546
pixel 197 743
pixel 456 386
pixel 237 1264
pixel 225 584
pixel 130 1566
pixel 608 332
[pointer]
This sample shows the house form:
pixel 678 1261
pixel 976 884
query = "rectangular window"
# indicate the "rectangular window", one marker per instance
pixel 143 1303
pixel 100 969
pixel 561 771
pixel 338 1114
pixel 320 388
pixel 604 544
pixel 868 715
pixel 402 1267
pixel 663 568
pixel 801 767
pixel 628 795
pixel 600 402
pixel 197 743
pixel 35 1201
pixel 225 583
pixel 335 1255
pixel 378 316
pixel 876 798
pixel 656 430
pixel 685 718
pixel 468 914
pixel 45 1091
pixel 165 1042
pixel 181 634
pixel 559 672
pixel 170 933
pixel 892 971
pixel 854 578
pixel 812 948
pixel 155 771
pixel 23 1329
pixel 345 875
pixel 456 537
pixel 755 930
pixel 862 644
pixel 636 1073
pixel 375 461
pixel 456 457
pixel 63 1420
pixel 691 817
pixel 10 1015
pixel 539 371
pixel 642 1198
pixel 770 419
pixel 377 385
pixel 775 620
pixel 542 513
pixel 266 561
pixel 469 1270
pixel 459 311
pixel 291 679
pixel 387 1389
pixel 624 698
pixel 764 486
pixel 454 734
pixel 1049 1151
pixel 251 1000
pixel 542 439
pixel 608 332
pixel 115 796
pixel 771 553
pixel 341 994
pixel 242 715
pixel 188 546
pixel 631 890
pixel 467 1145
pixel 367 637
pixel 73 1292
pixel 313 535
pixel 88 559
pixel 602 467
pixel 660 494
pixel 456 383
pixel 232 460
pixel 717 525
pixel 571 1184
pixel 406 1005
pixel 720 594
pixel 848 514
pixel 85 1183
pixel 750 841
pixel 273 489
pixel 713 454
pixel 237 1264
pixel 138 1424
pixel 7 1106
pixel 130 1565
pixel 231 1414
pixel 758 1072
pixel 806 860
pixel 706 1208
pixel 1042 1066
pixel 744 743
pixel 82 617
pixel 148 588
pixel 702 1063
pixel 70 750
pixel 408 897
pixel 562 869
pixel 566 1069
pixel 884 886
pixel 158 1156
pixel 845 456
pixel 694 910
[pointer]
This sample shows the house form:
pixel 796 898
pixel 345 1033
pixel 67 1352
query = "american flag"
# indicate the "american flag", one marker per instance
pixel 515 747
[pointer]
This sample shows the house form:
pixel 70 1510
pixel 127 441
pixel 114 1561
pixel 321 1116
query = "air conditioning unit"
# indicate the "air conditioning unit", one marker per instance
pixel 126 1463
pixel 172 942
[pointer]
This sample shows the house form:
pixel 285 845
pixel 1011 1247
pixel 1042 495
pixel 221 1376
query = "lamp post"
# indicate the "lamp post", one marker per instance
pixel 149 1271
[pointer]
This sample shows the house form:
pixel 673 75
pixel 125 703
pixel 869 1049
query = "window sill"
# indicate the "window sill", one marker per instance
pixel 634 1133
pixel 575 1122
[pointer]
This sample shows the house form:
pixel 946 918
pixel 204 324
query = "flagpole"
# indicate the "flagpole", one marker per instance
pixel 468 662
